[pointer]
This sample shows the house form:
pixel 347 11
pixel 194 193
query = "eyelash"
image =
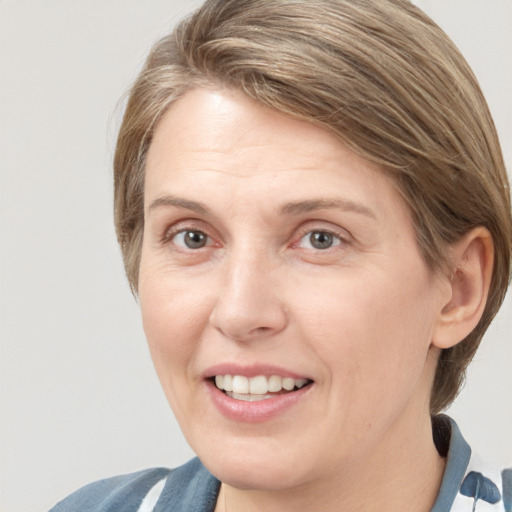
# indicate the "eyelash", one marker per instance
pixel 339 238
pixel 171 233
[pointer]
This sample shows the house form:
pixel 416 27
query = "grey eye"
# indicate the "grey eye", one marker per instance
pixel 191 239
pixel 319 240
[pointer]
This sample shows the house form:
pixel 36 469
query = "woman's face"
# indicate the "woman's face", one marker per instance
pixel 274 255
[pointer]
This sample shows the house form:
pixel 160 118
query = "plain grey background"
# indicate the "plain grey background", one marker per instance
pixel 79 399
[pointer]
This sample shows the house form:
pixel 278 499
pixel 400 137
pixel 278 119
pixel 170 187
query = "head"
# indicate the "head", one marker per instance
pixel 384 80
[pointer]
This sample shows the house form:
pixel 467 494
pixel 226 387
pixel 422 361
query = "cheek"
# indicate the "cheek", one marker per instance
pixel 373 336
pixel 174 316
pixel 173 328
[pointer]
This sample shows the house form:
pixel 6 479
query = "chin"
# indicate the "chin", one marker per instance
pixel 257 464
pixel 268 476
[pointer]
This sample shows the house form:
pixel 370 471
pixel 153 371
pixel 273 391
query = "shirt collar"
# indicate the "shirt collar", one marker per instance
pixel 457 461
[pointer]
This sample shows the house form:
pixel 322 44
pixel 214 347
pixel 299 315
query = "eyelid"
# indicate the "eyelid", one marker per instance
pixel 191 224
pixel 335 238
pixel 175 236
pixel 173 229
pixel 342 234
pixel 172 232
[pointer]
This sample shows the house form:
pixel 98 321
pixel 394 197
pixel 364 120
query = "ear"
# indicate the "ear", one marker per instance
pixel 472 259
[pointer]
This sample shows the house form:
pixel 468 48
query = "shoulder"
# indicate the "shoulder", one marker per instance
pixel 124 492
pixel 470 483
pixel 143 490
pixel 485 484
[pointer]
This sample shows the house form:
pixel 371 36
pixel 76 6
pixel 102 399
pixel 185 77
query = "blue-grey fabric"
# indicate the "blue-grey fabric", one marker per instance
pixel 457 461
pixel 190 488
pixel 118 494
pixel 468 484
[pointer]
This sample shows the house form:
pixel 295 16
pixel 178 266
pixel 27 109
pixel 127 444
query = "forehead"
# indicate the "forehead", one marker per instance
pixel 220 143
pixel 226 122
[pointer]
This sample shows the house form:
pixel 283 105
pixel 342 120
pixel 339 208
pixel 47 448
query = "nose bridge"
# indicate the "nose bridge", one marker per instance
pixel 246 269
pixel 248 303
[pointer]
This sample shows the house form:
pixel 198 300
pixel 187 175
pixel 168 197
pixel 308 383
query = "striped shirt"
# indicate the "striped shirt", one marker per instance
pixel 469 485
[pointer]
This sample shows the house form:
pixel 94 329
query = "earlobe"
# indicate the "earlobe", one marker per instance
pixel 472 260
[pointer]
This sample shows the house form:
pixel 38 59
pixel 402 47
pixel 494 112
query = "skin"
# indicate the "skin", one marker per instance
pixel 359 318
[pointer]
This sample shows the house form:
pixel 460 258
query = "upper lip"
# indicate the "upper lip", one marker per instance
pixel 252 370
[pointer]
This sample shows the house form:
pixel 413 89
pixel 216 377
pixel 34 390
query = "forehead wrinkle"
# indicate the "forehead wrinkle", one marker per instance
pixel 266 150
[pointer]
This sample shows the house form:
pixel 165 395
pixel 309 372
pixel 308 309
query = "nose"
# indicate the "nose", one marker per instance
pixel 248 305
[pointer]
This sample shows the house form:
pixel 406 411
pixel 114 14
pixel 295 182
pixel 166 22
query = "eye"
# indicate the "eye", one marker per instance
pixel 319 240
pixel 191 239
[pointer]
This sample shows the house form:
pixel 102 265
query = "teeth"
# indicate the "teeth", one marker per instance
pixel 240 384
pixel 258 385
pixel 288 383
pixel 228 383
pixel 275 383
pixel 247 397
pixel 300 383
pixel 256 388
pixel 219 381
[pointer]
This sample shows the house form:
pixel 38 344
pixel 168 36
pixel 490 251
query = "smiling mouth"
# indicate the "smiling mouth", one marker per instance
pixel 253 389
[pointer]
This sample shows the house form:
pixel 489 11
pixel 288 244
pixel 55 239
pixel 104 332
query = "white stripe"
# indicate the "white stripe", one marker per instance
pixel 149 502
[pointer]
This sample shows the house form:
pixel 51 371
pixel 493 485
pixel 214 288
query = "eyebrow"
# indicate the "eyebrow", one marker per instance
pixel 180 203
pixel 292 208
pixel 300 207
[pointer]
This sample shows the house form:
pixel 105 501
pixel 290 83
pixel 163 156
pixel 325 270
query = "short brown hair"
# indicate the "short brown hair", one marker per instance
pixel 379 74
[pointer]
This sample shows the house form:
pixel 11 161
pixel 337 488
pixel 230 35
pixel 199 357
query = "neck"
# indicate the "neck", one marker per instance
pixel 404 473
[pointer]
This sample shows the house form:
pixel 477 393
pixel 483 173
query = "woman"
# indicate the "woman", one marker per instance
pixel 315 215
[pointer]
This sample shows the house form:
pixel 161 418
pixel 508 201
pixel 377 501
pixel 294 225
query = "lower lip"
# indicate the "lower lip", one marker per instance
pixel 254 412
